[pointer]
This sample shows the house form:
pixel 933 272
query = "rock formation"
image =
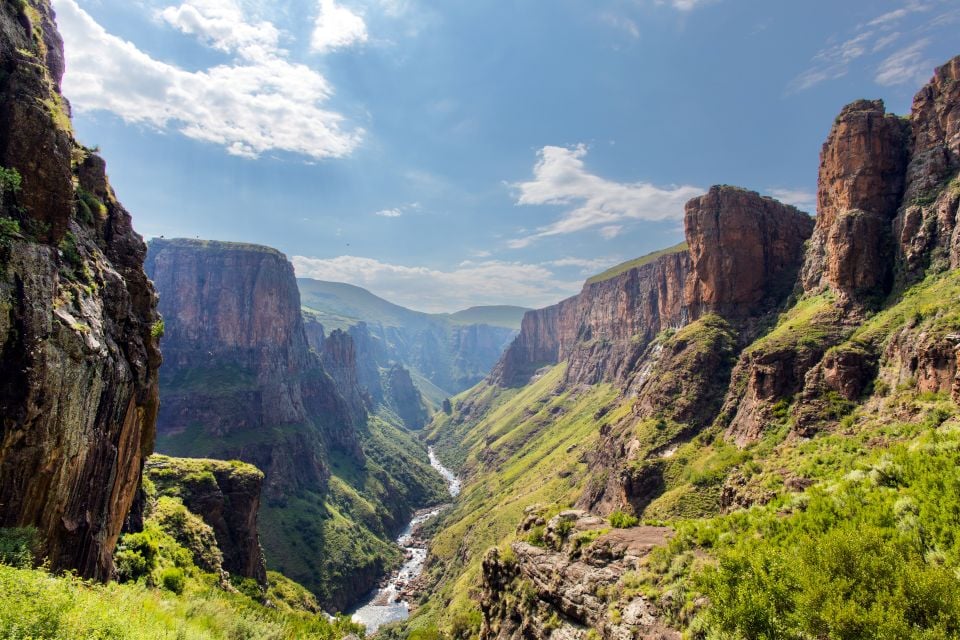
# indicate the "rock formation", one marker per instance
pixel 226 495
pixel 576 576
pixel 78 322
pixel 239 379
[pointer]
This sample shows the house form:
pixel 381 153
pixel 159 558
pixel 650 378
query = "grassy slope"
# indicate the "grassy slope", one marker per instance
pixel 612 272
pixel 524 451
pixel 867 550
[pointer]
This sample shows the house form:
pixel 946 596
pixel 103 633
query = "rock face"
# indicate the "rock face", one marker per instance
pixel 861 183
pixel 240 380
pixel 226 495
pixel 574 585
pixel 597 329
pixel 78 350
pixel 745 251
pixel 741 258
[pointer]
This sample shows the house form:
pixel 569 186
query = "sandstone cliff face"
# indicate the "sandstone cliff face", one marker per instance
pixel 745 251
pixel 743 256
pixel 861 182
pixel 78 361
pixel 239 379
pixel 226 495
pixel 597 330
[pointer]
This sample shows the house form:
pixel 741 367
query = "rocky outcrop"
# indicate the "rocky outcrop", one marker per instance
pixel 405 398
pixel 78 332
pixel 340 360
pixel 226 495
pixel 570 584
pixel 240 380
pixel 745 251
pixel 926 227
pixel 861 183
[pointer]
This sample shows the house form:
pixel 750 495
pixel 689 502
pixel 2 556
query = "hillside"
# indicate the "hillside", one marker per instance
pixel 759 442
pixel 451 352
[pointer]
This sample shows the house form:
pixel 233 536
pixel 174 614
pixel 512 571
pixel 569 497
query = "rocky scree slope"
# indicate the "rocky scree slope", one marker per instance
pixel 240 382
pixel 78 320
pixel 778 385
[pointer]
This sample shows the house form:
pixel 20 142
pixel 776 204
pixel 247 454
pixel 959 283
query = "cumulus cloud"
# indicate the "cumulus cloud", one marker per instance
pixel 389 213
pixel 261 102
pixel 908 65
pixel 434 290
pixel 561 178
pixel 800 198
pixel 337 27
pixel 222 25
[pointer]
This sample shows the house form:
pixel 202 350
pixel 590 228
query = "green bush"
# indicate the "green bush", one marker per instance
pixel 536 537
pixel 18 547
pixel 157 329
pixel 136 556
pixel 623 520
pixel 172 579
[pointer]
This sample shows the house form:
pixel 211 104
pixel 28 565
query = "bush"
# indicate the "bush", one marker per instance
pixel 18 547
pixel 157 329
pixel 136 556
pixel 623 520
pixel 172 579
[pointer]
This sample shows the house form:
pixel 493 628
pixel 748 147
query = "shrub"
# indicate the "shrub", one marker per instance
pixel 136 556
pixel 157 329
pixel 172 579
pixel 622 520
pixel 535 537
pixel 18 547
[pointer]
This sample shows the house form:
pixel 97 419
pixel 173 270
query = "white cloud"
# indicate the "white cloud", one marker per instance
pixel 221 24
pixel 800 198
pixel 907 65
pixel 249 107
pixel 389 213
pixel 561 178
pixel 586 265
pixel 337 27
pixel 471 283
pixel 622 23
pixel 610 232
pixel 685 5
pixel 833 62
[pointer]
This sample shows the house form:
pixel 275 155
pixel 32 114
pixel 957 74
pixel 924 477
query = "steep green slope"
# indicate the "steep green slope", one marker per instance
pixel 523 449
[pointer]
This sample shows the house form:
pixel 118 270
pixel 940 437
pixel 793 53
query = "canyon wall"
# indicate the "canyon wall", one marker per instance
pixel 78 332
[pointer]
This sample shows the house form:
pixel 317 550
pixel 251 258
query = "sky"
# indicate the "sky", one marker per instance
pixel 464 152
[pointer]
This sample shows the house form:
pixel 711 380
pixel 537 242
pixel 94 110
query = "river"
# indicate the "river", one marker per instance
pixel 386 604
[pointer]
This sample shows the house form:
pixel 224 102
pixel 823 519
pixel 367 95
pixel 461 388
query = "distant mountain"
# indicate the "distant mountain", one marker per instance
pixel 445 353
pixel 496 316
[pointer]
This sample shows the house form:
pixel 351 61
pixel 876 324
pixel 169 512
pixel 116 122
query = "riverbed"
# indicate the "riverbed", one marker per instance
pixel 387 604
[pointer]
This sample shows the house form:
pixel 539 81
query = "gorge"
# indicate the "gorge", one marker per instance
pixel 754 433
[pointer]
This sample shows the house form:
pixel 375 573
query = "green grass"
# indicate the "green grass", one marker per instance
pixel 37 606
pixel 637 262
pixel 525 451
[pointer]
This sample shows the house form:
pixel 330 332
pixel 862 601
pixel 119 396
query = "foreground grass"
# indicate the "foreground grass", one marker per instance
pixel 37 606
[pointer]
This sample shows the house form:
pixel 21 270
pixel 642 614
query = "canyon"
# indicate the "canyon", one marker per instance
pixel 753 433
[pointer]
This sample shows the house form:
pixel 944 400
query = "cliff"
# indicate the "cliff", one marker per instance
pixel 740 260
pixel 804 407
pixel 226 495
pixel 78 332
pixel 241 381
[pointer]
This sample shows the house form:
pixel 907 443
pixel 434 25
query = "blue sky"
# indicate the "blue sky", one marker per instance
pixel 472 152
